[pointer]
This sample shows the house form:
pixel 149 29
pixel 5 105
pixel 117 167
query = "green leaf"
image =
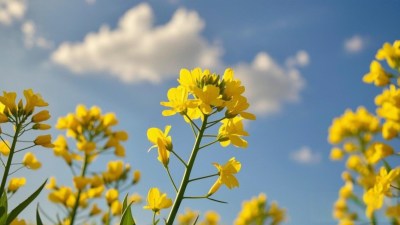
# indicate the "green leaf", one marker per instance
pixel 38 219
pixel 127 218
pixel 15 212
pixel 3 208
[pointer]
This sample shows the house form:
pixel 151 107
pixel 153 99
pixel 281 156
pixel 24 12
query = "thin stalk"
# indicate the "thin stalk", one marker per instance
pixel 75 209
pixel 10 157
pixel 22 149
pixel 209 144
pixel 172 179
pixel 204 177
pixel 186 176
pixel 154 218
pixel 180 159
pixel 191 121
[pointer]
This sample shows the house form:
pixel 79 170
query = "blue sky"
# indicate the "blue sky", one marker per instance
pixel 301 61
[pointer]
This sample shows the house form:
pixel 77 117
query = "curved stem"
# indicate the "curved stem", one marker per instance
pixel 180 159
pixel 186 176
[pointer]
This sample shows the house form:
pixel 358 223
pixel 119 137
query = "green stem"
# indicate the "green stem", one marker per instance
pixel 10 157
pixel 154 218
pixel 76 205
pixel 209 144
pixel 180 159
pixel 186 176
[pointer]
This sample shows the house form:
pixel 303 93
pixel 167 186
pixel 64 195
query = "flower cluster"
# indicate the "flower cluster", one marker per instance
pixel 363 137
pixel 93 134
pixel 21 116
pixel 257 211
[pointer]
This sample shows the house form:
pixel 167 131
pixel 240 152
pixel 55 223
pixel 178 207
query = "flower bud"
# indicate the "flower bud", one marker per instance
pixel 41 126
pixel 41 116
pixel 44 140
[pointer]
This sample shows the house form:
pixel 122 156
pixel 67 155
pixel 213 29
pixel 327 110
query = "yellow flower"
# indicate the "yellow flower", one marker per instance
pixel 8 100
pixel 377 75
pixel 237 106
pixel 208 97
pixel 86 146
pixel 373 199
pixel 31 162
pixel 390 129
pixel 51 184
pixel 187 218
pixel 336 154
pixel 16 183
pixel 390 53
pixel 116 208
pixel 178 101
pixel 162 142
pixel 252 210
pixel 111 196
pixel 61 195
pixel 109 120
pixel 5 148
pixel 115 169
pixel 44 140
pixel 231 131
pixel 226 175
pixel 233 87
pixel 17 221
pixel 277 214
pixel 95 210
pixel 378 151
pixel 41 116
pixel 191 79
pixel 135 198
pixel 346 191
pixel 157 201
pixel 136 177
pixel 33 100
pixel 81 182
pixel 211 218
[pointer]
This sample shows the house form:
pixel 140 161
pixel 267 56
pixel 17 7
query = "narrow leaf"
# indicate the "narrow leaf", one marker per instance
pixel 15 212
pixel 38 219
pixel 127 218
pixel 3 208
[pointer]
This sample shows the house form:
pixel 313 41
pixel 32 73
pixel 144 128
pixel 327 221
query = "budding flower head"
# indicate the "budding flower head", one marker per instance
pixel 111 196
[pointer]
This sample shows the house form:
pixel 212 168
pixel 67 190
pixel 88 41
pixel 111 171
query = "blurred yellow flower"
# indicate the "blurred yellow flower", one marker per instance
pixel 111 196
pixel 377 75
pixel 5 148
pixel 30 161
pixel 15 183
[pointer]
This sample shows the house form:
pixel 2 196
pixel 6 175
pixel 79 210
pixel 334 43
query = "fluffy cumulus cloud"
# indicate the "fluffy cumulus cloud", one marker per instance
pixel 11 10
pixel 269 84
pixel 31 37
pixel 305 156
pixel 354 44
pixel 136 50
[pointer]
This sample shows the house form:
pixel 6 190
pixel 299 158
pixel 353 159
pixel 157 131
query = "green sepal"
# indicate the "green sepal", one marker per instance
pixel 127 218
pixel 38 219
pixel 15 212
pixel 3 208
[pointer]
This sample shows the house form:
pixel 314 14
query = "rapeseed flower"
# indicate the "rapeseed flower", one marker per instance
pixel 157 201
pixel 226 175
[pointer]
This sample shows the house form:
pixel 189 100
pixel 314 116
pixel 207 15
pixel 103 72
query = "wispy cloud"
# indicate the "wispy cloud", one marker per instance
pixel 32 38
pixel 305 155
pixel 139 51
pixel 11 10
pixel 269 84
pixel 354 44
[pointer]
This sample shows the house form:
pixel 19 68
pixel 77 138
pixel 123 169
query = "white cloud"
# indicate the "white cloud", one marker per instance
pixel 31 38
pixel 139 51
pixel 268 84
pixel 301 59
pixel 305 156
pixel 354 44
pixel 11 10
